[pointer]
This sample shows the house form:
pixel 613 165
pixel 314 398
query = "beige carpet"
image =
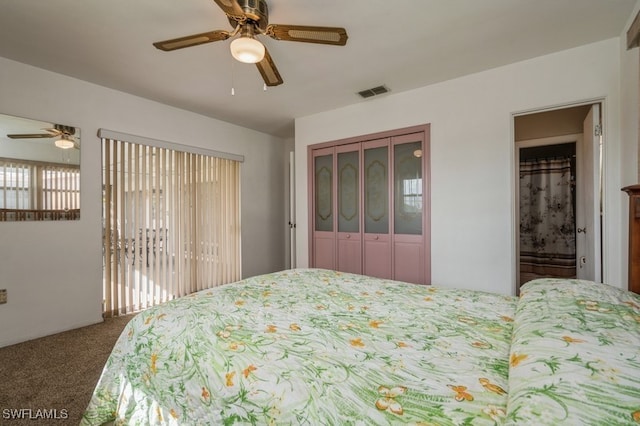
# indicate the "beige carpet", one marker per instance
pixel 57 372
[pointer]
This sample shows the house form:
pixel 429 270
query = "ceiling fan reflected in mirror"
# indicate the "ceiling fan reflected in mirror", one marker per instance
pixel 250 18
pixel 65 135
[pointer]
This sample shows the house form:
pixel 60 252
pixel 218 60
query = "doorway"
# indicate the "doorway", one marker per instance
pixel 558 188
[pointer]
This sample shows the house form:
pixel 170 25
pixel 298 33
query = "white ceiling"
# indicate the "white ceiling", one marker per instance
pixel 403 44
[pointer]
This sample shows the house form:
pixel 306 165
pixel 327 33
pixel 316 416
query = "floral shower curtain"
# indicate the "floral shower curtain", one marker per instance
pixel 547 220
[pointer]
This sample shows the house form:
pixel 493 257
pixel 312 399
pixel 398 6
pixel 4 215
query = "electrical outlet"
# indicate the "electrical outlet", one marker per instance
pixel 3 296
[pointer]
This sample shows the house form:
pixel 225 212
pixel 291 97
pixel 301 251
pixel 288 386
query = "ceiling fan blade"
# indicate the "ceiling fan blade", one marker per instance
pixel 30 136
pixel 54 132
pixel 192 40
pixel 268 70
pixel 308 34
pixel 232 9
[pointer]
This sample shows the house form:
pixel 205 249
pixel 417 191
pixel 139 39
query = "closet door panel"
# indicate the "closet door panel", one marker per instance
pixel 407 186
pixel 324 240
pixel 408 208
pixel 376 184
pixel 349 254
pixel 408 256
pixel 324 251
pixel 370 205
pixel 376 188
pixel 377 259
pixel 349 236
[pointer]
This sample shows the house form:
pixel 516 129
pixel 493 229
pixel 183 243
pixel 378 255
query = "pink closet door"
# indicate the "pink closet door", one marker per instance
pixel 349 236
pixel 371 205
pixel 323 238
pixel 376 218
pixel 409 186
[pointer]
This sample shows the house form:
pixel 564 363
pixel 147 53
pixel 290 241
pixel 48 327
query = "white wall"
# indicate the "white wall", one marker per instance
pixel 472 183
pixel 53 271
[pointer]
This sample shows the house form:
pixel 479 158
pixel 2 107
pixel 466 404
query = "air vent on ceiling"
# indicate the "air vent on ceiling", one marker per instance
pixel 374 91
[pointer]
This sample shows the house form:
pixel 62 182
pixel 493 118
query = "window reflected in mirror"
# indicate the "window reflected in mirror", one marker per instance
pixel 39 170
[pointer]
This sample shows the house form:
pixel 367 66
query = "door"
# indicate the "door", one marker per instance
pixel 377 237
pixel 292 211
pixel 408 208
pixel 349 239
pixel 323 215
pixel 588 216
pixel 579 124
pixel 369 205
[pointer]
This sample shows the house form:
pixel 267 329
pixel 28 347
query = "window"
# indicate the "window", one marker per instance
pixel 60 188
pixel 15 184
pixel 41 191
pixel 412 195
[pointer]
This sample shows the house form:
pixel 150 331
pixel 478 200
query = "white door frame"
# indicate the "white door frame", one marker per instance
pixel 599 200
pixel 292 264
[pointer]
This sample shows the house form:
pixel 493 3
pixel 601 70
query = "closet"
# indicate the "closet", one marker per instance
pixel 369 205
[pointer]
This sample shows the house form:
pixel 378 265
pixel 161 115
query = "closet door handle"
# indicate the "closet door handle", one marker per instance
pixel 582 230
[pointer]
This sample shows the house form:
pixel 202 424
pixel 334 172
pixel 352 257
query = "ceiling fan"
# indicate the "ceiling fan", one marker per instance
pixel 65 135
pixel 249 19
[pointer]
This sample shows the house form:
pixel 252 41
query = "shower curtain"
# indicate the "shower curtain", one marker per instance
pixel 547 220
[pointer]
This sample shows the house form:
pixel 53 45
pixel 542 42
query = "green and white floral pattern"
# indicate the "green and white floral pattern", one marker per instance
pixel 312 347
pixel 321 347
pixel 575 356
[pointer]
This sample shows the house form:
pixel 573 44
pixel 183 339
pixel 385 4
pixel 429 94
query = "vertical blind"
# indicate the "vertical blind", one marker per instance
pixel 171 224
pixel 38 186
pixel 60 188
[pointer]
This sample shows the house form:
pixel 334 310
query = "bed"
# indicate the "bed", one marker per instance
pixel 311 346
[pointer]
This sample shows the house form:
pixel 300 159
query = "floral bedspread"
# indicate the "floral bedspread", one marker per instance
pixel 575 356
pixel 314 347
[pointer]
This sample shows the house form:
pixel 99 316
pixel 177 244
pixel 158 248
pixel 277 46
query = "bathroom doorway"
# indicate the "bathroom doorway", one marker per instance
pixel 558 187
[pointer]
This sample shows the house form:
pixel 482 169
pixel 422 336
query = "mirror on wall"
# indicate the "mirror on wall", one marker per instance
pixel 39 170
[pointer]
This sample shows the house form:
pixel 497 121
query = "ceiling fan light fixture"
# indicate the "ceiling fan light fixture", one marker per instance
pixel 247 50
pixel 64 142
pixel 250 18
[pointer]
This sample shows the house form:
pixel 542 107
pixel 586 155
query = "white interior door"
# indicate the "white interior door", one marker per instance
pixel 588 196
pixel 292 211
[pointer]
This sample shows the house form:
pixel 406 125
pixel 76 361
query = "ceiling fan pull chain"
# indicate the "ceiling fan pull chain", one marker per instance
pixel 233 90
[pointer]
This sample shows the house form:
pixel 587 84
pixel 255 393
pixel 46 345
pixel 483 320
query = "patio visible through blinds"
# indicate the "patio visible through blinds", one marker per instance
pixel 171 224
